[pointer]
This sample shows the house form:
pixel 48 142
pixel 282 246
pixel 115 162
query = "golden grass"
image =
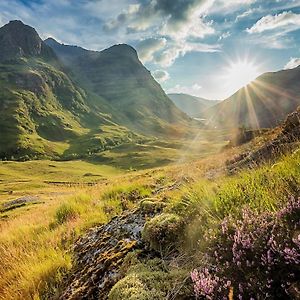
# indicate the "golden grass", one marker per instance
pixel 35 244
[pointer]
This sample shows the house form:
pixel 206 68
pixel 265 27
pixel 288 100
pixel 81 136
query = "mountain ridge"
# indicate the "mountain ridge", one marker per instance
pixel 46 111
pixel 265 102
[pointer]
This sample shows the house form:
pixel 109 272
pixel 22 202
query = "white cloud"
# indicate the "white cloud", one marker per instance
pixel 148 47
pixel 230 6
pixel 245 14
pixel 167 57
pixel 286 21
pixel 161 75
pixel 294 62
pixel 224 35
pixel 194 90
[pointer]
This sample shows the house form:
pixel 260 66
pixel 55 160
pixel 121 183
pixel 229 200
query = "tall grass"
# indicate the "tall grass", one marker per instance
pixel 34 246
pixel 205 203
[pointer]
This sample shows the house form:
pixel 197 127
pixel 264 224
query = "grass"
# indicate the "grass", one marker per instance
pixel 31 177
pixel 35 239
pixel 35 245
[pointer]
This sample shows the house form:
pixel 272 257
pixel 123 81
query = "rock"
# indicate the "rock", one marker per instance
pixel 100 253
pixel 12 204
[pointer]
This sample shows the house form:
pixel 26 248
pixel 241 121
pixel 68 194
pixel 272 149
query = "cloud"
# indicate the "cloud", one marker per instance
pixel 230 6
pixel 161 75
pixel 148 47
pixel 174 18
pixel 245 14
pixel 178 49
pixel 272 31
pixel 294 62
pixel 286 21
pixel 224 35
pixel 194 90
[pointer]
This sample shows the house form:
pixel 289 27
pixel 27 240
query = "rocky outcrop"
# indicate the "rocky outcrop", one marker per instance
pixel 287 140
pixel 100 253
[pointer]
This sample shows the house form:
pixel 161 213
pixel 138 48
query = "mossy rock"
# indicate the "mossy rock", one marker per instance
pixel 163 232
pixel 151 285
pixel 152 205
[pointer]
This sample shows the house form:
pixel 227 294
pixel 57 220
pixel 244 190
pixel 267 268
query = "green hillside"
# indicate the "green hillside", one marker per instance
pixel 51 111
pixel 117 75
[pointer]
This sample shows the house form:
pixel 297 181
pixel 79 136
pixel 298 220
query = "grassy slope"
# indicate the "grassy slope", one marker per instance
pixel 44 114
pixel 134 98
pixel 36 269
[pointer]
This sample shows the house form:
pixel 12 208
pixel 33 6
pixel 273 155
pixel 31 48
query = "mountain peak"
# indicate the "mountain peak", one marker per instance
pixel 16 22
pixel 51 40
pixel 20 40
pixel 121 50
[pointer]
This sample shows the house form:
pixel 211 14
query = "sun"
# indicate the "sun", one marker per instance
pixel 240 73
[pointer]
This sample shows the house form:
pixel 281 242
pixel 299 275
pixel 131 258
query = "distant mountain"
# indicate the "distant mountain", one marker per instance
pixel 117 75
pixel 191 105
pixel 265 102
pixel 53 105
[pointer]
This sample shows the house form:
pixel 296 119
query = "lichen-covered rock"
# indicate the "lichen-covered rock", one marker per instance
pixel 100 253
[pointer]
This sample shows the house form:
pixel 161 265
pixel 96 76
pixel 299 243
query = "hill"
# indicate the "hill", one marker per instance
pixel 117 75
pixel 49 109
pixel 192 105
pixel 265 102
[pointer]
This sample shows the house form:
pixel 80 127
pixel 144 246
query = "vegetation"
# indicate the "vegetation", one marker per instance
pixel 37 268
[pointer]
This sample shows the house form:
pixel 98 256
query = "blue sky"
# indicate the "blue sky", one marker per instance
pixel 188 45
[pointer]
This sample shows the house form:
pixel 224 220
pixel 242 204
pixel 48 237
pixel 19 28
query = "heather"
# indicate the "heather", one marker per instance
pixel 256 256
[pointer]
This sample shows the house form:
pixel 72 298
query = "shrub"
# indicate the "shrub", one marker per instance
pixel 257 256
pixel 163 232
pixel 66 212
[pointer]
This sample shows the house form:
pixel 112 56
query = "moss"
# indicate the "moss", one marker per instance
pixel 147 281
pixel 151 205
pixel 163 232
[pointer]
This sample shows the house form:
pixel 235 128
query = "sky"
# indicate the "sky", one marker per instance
pixel 206 48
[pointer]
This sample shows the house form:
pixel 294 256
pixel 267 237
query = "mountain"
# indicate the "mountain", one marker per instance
pixel 192 105
pixel 117 75
pixel 50 109
pixel 19 40
pixel 265 102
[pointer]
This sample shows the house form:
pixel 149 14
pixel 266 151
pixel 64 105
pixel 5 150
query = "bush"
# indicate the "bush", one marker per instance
pixel 256 256
pixel 66 212
pixel 163 232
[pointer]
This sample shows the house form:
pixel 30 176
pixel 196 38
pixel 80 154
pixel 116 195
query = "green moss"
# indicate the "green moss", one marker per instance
pixel 164 232
pixel 149 280
pixel 151 205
